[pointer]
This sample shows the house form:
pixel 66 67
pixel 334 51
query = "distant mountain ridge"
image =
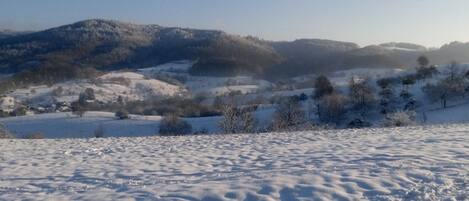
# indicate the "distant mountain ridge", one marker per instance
pixel 5 33
pixel 109 44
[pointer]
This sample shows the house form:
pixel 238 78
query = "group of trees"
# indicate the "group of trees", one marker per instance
pixel 85 99
pixel 454 84
pixel 355 104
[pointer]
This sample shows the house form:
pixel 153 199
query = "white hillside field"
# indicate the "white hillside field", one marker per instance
pixel 131 86
pixel 206 85
pixel 416 163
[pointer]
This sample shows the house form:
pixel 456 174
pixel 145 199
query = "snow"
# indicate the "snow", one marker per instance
pixel 182 66
pixel 416 163
pixel 453 114
pixel 206 85
pixel 131 86
pixel 67 125
pixel 342 78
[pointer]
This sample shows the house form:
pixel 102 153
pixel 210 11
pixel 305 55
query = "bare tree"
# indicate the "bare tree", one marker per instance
pixel 289 113
pixel 237 120
pixel 229 122
pixel 247 122
pixel 423 61
pixel 333 107
pixel 453 70
pixel 323 87
pixel 361 94
pixel 78 109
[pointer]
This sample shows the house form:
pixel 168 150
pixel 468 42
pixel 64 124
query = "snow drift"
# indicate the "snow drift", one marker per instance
pixel 417 163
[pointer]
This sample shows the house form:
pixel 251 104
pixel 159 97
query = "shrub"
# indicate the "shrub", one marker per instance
pixel 399 119
pixel 99 132
pixel 4 133
pixel 33 136
pixel 231 117
pixel 358 123
pixel 238 120
pixel 87 95
pixel 289 113
pixel 78 109
pixel 19 111
pixel 322 87
pixel 332 107
pixel 173 125
pixel 122 114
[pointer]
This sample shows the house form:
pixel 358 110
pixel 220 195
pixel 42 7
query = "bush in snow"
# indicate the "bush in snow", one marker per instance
pixel 33 136
pixel 332 107
pixel 399 119
pixel 99 132
pixel 358 123
pixel 229 122
pixel 173 125
pixel 78 109
pixel 4 133
pixel 289 113
pixel 122 114
pixel 236 120
pixel 248 121
pixel 19 111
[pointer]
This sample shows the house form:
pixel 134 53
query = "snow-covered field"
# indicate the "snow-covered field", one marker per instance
pixel 130 86
pixel 67 125
pixel 417 163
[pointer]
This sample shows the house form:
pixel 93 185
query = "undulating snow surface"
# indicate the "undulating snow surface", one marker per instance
pixel 417 163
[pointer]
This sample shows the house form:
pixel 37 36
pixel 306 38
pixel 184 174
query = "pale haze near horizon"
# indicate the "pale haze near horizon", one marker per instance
pixel 427 22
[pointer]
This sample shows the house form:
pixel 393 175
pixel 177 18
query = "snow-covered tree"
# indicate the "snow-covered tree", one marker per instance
pixel 230 118
pixel 289 113
pixel 399 119
pixel 361 94
pixel 333 107
pixel 237 120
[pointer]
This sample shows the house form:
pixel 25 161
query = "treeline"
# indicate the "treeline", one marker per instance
pixel 48 73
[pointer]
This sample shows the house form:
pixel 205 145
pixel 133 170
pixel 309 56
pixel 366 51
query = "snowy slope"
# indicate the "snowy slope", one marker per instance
pixel 208 86
pixel 418 163
pixel 131 86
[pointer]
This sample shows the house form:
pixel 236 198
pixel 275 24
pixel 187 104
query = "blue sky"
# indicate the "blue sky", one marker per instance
pixel 427 22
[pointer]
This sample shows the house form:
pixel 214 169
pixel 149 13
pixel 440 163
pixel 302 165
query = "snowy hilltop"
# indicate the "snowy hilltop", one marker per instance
pixel 415 163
